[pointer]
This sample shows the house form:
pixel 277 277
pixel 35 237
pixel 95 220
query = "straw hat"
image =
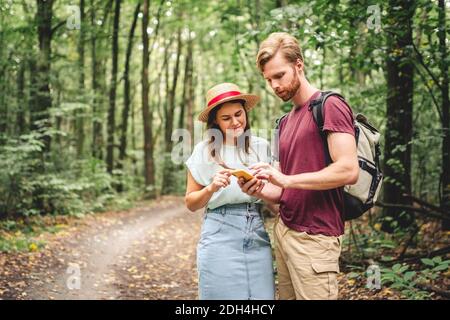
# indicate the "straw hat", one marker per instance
pixel 226 92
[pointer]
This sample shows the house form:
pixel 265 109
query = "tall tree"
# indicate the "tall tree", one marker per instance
pixel 146 113
pixel 168 181
pixel 191 90
pixel 399 104
pixel 126 92
pixel 3 80
pixel 96 124
pixel 40 118
pixel 81 86
pixel 187 80
pixel 98 76
pixel 20 117
pixel 445 103
pixel 113 88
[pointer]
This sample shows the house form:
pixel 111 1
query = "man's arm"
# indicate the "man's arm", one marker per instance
pixel 344 169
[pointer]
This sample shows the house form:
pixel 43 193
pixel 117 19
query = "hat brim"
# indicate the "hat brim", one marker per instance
pixel 250 102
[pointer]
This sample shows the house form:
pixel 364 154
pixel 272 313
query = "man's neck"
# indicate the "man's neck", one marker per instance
pixel 304 93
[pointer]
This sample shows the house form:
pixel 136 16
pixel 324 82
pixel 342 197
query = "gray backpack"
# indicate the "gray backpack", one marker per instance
pixel 361 196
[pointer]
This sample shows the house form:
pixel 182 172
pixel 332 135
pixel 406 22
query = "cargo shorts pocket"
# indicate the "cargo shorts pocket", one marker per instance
pixel 326 273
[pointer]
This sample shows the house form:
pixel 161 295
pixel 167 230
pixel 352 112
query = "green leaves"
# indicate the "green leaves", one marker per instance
pixel 59 186
pixel 400 277
pixel 353 275
pixel 436 264
pixel 409 275
pixel 441 267
pixel 428 262
pixel 398 268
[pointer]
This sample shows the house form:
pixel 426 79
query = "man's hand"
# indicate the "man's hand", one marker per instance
pixel 261 189
pixel 265 171
pixel 252 187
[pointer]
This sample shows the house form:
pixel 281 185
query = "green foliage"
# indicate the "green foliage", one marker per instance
pixel 20 235
pixel 63 186
pixel 20 244
pixel 372 243
pixel 401 277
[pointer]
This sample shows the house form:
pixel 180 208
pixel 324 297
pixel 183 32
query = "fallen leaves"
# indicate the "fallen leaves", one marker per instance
pixel 163 265
pixel 40 271
pixel 160 264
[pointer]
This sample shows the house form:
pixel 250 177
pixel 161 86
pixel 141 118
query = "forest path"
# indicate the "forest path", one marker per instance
pixel 148 252
pixel 144 253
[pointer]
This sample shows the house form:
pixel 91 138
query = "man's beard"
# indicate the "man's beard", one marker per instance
pixel 290 92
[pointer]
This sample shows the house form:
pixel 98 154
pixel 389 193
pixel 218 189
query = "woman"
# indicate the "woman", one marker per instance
pixel 234 257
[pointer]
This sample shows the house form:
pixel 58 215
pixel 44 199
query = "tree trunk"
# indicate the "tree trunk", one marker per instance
pixel 81 87
pixel 95 150
pixel 169 174
pixel 146 113
pixel 184 119
pixel 133 139
pixel 32 90
pixel 357 41
pixel 40 98
pixel 112 90
pixel 187 66
pixel 445 178
pixel 281 3
pixel 3 106
pixel 40 118
pixel 58 119
pixel 3 65
pixel 98 81
pixel 400 71
pixel 191 94
pixel 20 117
pixel 126 92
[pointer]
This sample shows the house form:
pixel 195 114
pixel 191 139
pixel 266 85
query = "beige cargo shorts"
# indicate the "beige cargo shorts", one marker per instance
pixel 307 264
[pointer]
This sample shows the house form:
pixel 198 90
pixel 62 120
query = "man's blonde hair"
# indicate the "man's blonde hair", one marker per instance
pixel 278 41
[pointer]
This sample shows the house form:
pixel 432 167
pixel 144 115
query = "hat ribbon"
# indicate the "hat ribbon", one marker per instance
pixel 223 96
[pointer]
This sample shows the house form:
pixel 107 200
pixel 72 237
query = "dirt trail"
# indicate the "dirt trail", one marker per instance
pixel 102 258
pixel 148 252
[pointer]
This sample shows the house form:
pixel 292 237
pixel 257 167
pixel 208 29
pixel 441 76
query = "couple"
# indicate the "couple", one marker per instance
pixel 234 258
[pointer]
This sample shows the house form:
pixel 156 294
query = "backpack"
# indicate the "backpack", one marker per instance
pixel 360 197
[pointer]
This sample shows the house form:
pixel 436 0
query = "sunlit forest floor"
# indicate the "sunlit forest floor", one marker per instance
pixel 148 252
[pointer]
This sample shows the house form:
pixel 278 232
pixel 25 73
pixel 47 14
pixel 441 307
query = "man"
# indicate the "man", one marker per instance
pixel 310 225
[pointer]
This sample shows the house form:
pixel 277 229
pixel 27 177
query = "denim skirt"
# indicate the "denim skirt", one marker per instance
pixel 234 257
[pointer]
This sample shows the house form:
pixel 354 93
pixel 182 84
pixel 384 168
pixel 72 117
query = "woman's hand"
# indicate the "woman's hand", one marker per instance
pixel 252 187
pixel 265 171
pixel 220 180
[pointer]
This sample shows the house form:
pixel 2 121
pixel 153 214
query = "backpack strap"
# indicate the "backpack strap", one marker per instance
pixel 317 107
pixel 278 121
pixel 275 153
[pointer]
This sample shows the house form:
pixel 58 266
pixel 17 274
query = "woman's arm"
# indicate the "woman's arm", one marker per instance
pixel 197 196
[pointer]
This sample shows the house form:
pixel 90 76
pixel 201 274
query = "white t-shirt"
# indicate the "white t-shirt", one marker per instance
pixel 203 168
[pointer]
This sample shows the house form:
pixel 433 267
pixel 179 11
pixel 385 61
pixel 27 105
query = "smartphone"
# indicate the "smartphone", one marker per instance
pixel 239 173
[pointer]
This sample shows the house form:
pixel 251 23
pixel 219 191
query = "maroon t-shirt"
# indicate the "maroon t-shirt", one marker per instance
pixel 301 150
